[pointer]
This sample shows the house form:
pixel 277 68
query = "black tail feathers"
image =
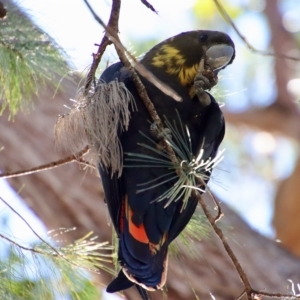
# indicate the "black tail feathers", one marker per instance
pixel 121 282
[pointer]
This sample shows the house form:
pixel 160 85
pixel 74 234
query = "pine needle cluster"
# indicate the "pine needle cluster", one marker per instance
pixel 29 58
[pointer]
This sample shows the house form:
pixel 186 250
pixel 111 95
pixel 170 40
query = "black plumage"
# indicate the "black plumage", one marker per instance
pixel 145 226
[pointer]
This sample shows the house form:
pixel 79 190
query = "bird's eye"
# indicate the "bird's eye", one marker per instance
pixel 203 37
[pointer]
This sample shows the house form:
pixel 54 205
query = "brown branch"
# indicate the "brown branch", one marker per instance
pixel 18 245
pixel 229 251
pixel 34 232
pixel 113 36
pixel 241 295
pixel 227 18
pixel 147 102
pixel 75 157
pixel 113 24
pixel 96 60
pixel 274 295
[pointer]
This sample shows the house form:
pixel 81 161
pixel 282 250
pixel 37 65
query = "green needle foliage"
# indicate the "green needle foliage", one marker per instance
pixel 45 272
pixel 198 229
pixel 28 59
pixel 191 168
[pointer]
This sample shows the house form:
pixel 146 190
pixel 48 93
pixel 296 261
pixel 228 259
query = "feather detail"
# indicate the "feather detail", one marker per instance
pixel 96 120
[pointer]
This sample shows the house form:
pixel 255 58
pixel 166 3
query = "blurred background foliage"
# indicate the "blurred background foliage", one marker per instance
pixel 40 271
pixel 28 59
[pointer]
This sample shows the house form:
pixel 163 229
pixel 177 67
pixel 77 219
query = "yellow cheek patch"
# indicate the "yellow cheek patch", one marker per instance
pixel 173 62
pixel 187 75
pixel 167 55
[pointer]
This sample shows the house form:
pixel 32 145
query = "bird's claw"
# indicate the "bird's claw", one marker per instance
pixel 204 81
pixel 201 83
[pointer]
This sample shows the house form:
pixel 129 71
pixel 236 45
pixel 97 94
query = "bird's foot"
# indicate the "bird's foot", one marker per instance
pixel 204 81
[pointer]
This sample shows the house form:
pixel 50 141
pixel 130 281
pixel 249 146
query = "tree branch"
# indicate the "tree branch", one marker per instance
pixel 113 24
pixel 148 5
pixel 18 245
pixel 75 157
pixel 34 232
pixel 228 19
pixel 113 36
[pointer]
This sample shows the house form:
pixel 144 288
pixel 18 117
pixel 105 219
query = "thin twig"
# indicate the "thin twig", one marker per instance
pixel 275 295
pixel 112 23
pixel 75 157
pixel 83 162
pixel 248 289
pixel 217 203
pixel 55 251
pixel 34 232
pixel 96 60
pixel 241 295
pixel 18 245
pixel 47 253
pixel 148 5
pixel 223 239
pixel 227 18
pixel 113 36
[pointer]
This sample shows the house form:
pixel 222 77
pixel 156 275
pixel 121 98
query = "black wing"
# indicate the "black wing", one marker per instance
pixel 112 185
pixel 146 227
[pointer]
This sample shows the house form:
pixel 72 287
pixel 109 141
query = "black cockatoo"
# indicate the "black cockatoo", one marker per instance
pixel 144 217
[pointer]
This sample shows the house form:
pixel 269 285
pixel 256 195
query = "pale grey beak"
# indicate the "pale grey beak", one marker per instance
pixel 218 56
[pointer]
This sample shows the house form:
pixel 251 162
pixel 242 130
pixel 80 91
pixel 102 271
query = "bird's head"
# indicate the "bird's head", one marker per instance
pixel 181 55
